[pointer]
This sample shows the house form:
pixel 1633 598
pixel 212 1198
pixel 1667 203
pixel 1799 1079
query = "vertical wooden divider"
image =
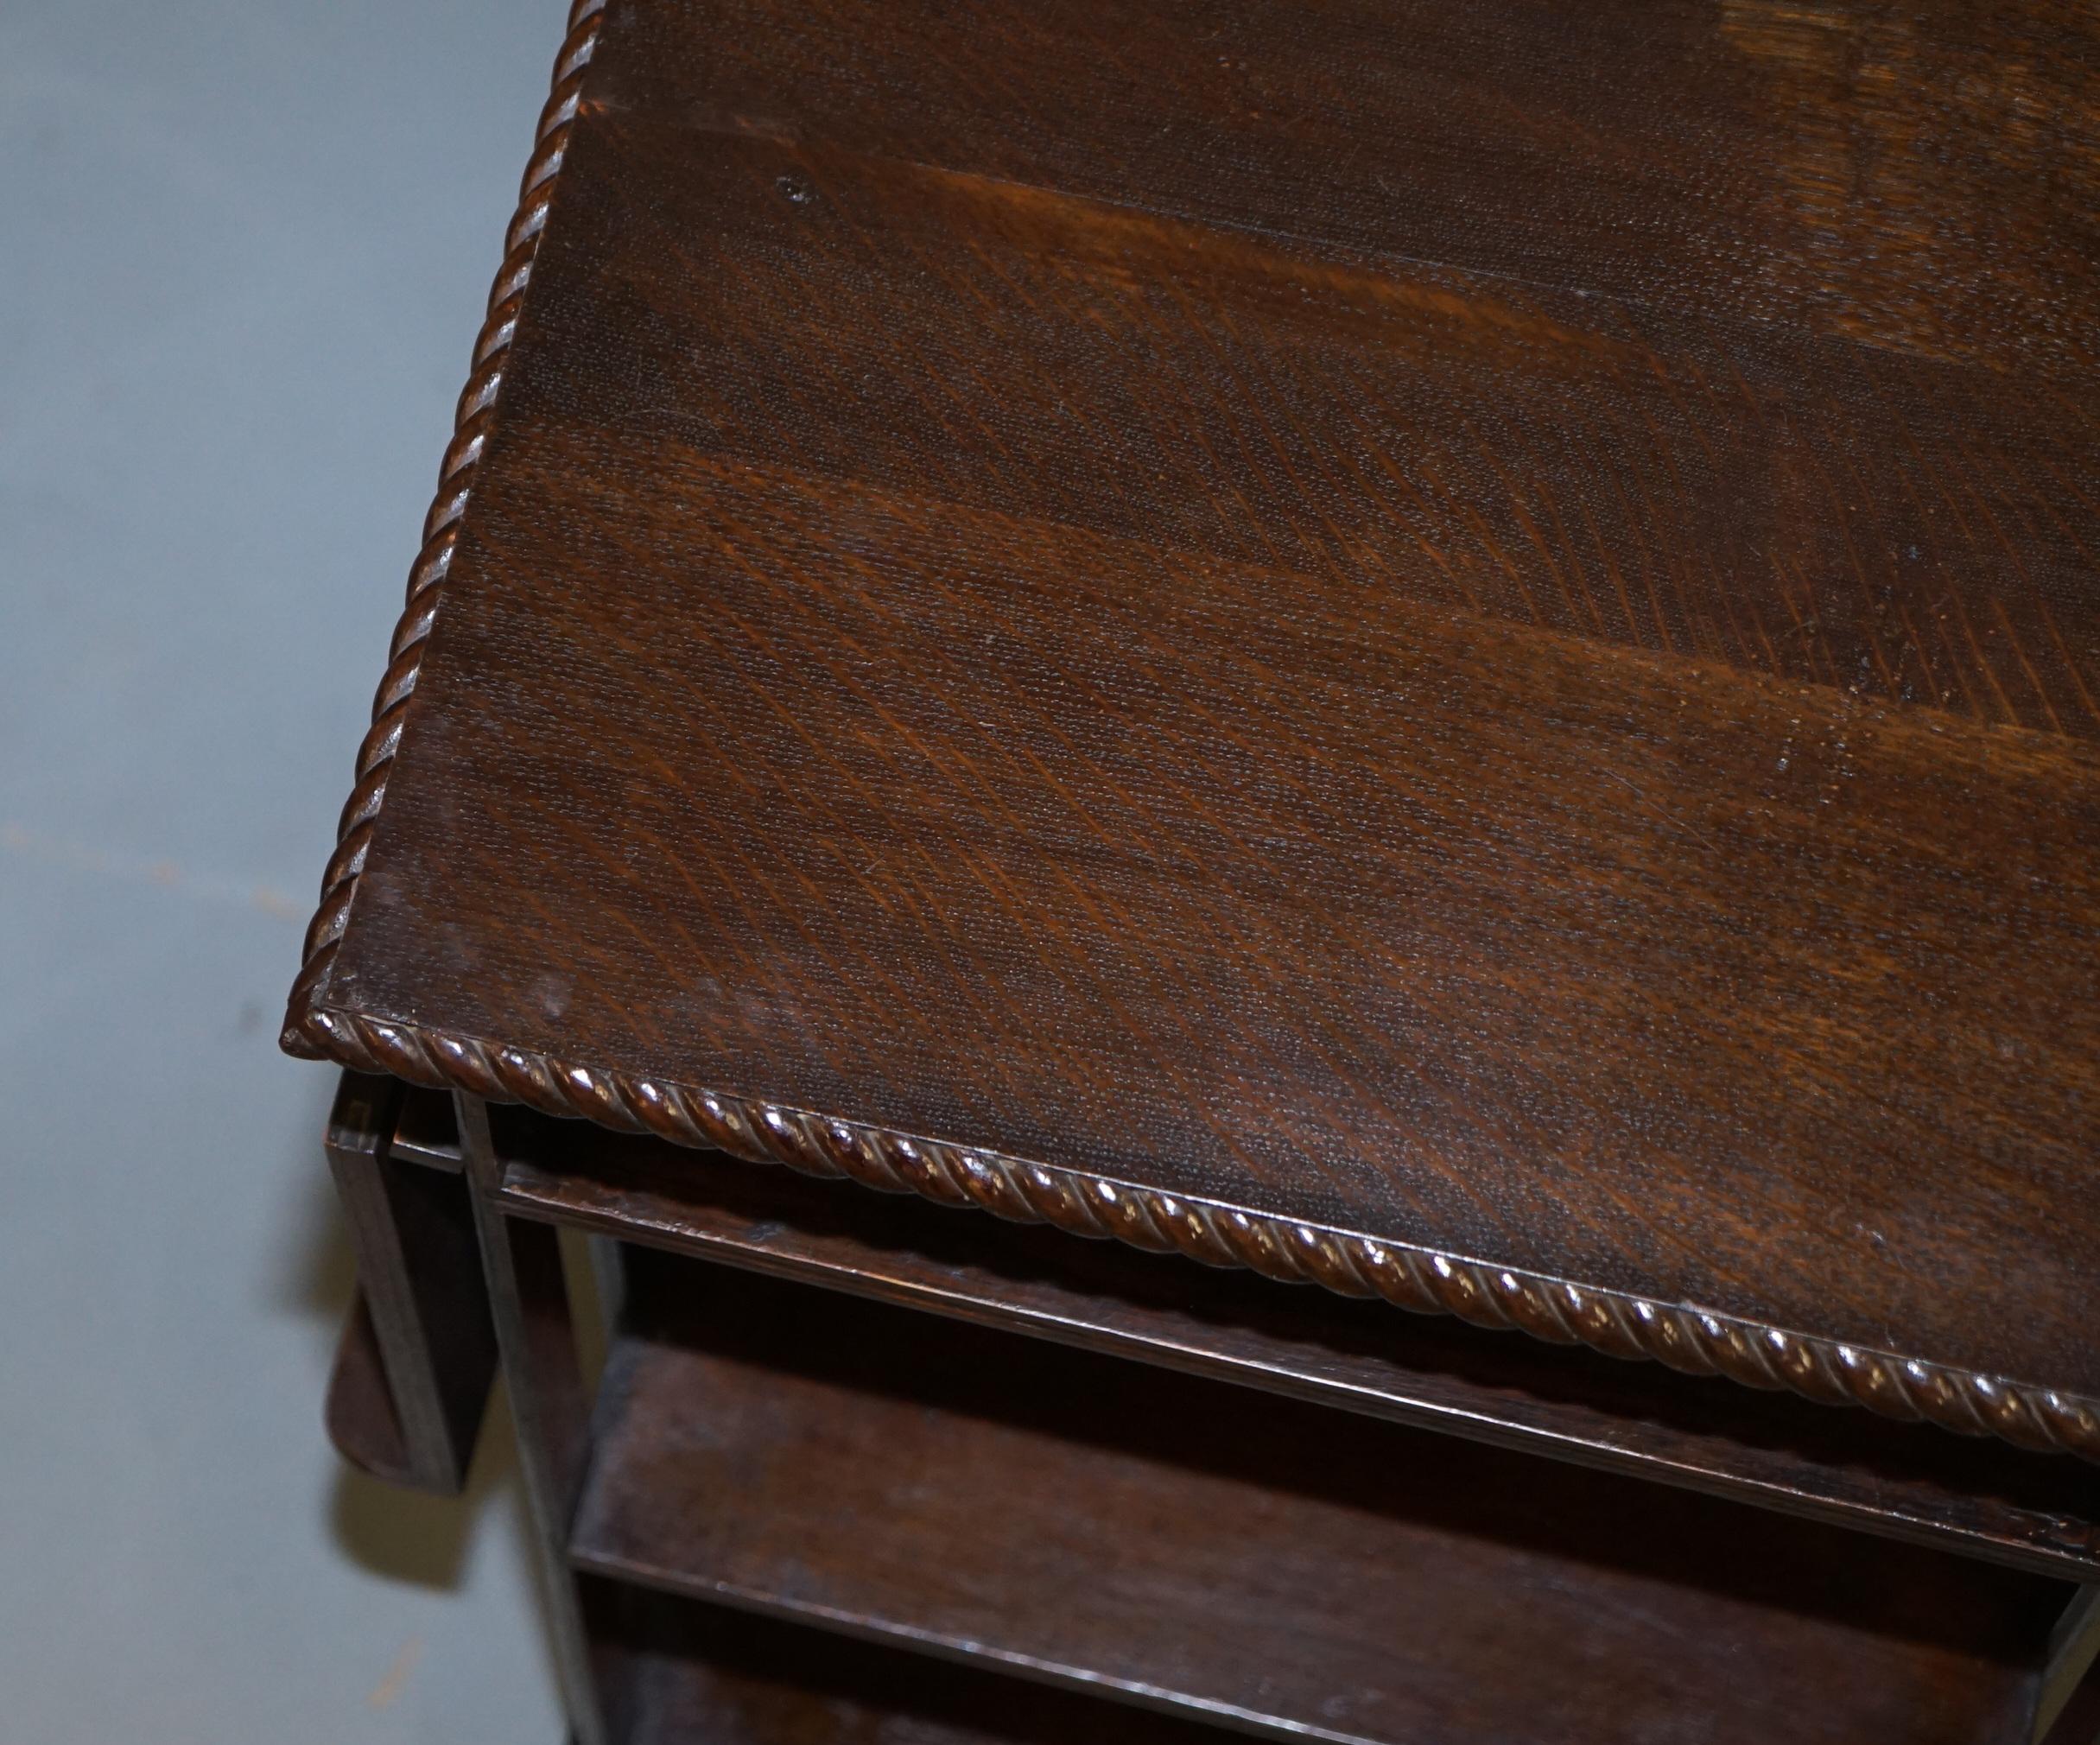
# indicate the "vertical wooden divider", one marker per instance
pixel 2067 1695
pixel 549 1403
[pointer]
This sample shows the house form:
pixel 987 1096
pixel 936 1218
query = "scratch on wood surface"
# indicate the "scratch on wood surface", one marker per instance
pixel 55 850
pixel 388 1691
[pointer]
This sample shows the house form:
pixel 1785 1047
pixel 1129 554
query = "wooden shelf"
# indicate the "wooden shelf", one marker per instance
pixel 1304 1573
pixel 1913 1482
pixel 426 1130
pixel 673 1671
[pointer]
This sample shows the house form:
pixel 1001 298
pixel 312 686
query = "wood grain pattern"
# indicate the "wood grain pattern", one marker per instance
pixel 1923 177
pixel 1080 1519
pixel 1521 687
pixel 1899 527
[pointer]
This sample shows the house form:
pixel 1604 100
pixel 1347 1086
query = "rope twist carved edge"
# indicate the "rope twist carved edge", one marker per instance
pixel 472 423
pixel 1694 1342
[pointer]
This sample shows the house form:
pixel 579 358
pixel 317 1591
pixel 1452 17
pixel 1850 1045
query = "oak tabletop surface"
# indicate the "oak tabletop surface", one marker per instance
pixel 1477 623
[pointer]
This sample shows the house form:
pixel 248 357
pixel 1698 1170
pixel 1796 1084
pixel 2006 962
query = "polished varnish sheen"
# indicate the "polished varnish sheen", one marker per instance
pixel 1476 624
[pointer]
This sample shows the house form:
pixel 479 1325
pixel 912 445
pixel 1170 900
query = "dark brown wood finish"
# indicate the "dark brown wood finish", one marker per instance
pixel 1471 624
pixel 418 1356
pixel 675 1671
pixel 1309 1575
pixel 1976 1498
pixel 2067 1699
pixel 550 1403
pixel 1925 178
pixel 1451 650
pixel 364 1425
pixel 426 1130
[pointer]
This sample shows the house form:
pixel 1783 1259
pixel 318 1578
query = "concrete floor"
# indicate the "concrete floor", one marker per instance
pixel 243 247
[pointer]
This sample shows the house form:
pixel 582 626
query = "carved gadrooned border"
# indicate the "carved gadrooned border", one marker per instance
pixel 1696 1341
pixel 472 423
pixel 1693 1341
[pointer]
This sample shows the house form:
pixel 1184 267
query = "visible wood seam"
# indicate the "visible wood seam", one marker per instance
pixel 1692 1339
pixel 473 421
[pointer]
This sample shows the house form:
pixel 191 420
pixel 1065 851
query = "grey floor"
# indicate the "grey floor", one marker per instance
pixel 243 247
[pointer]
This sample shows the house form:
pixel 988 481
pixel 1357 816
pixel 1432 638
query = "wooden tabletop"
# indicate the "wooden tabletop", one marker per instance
pixel 1452 648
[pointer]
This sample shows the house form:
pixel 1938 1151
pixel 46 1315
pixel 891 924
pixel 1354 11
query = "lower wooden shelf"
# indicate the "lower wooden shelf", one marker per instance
pixel 1182 1544
pixel 1969 1496
pixel 679 1672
